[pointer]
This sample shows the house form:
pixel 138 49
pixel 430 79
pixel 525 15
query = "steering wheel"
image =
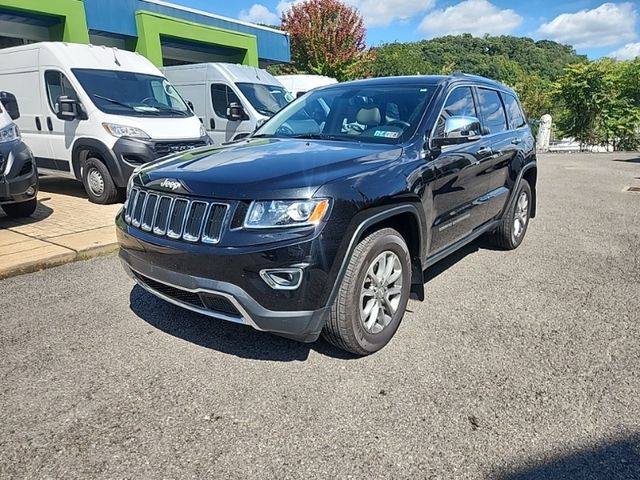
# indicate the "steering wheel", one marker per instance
pixel 398 123
pixel 285 130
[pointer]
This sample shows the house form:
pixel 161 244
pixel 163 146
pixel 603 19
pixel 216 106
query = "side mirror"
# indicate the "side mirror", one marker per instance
pixel 69 109
pixel 235 112
pixel 457 130
pixel 10 103
pixel 190 105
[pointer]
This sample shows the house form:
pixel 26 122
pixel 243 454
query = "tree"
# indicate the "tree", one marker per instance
pixel 327 38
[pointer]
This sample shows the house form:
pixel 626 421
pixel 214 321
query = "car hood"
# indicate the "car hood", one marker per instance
pixel 265 168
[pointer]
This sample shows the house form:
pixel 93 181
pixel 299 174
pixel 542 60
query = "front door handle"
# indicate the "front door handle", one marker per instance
pixel 38 124
pixel 485 151
pixel 516 141
pixel 49 124
pixel 212 123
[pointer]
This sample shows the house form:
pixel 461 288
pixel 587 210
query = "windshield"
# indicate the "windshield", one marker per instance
pixel 127 93
pixel 266 99
pixel 359 112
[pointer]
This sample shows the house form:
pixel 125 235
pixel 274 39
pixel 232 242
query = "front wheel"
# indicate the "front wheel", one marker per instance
pixel 373 294
pixel 98 183
pixel 20 210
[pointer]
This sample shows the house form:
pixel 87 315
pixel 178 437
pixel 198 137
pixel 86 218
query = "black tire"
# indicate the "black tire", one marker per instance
pixel 507 236
pixel 98 183
pixel 345 328
pixel 22 209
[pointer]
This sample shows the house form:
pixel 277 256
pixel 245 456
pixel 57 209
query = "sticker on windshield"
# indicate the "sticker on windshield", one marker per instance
pixel 386 134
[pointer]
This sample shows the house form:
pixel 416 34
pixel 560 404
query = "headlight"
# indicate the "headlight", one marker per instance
pixel 286 213
pixel 203 131
pixel 9 133
pixel 124 131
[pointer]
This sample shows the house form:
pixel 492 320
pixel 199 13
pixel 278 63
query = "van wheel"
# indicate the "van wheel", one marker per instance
pixel 514 223
pixel 98 183
pixel 373 294
pixel 20 210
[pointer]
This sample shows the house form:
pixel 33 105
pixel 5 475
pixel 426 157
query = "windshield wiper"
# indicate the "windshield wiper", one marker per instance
pixel 116 102
pixel 321 136
pixel 162 108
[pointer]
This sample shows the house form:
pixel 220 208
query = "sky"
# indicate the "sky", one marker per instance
pixel 594 28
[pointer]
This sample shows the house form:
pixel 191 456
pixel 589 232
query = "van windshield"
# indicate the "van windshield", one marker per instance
pixel 361 112
pixel 266 99
pixel 133 94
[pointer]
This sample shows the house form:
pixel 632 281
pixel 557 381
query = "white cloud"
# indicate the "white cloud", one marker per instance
pixel 627 52
pixel 608 24
pixel 476 17
pixel 380 13
pixel 258 13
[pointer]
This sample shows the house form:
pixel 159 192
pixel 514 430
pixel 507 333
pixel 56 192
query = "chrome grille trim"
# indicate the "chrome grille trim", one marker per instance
pixel 195 221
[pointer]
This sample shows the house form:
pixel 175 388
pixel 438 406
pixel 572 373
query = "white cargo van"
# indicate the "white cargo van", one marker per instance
pixel 96 113
pixel 298 85
pixel 230 100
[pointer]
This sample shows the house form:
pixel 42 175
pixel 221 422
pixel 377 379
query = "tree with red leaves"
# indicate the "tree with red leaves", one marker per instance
pixel 327 38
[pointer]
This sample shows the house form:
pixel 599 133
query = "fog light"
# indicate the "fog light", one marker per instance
pixel 282 278
pixel 31 191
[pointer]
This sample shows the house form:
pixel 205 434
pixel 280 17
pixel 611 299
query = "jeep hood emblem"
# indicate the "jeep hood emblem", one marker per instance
pixel 169 184
pixel 172 184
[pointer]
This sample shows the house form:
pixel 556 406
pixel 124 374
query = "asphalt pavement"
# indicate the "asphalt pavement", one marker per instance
pixel 519 365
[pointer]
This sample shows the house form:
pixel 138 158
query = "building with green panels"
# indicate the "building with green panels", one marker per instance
pixel 166 33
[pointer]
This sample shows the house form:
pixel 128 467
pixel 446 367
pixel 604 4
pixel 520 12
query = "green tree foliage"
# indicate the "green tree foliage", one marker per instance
pixel 528 66
pixel 600 103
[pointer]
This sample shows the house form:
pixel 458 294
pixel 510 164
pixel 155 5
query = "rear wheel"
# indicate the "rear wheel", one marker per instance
pixel 98 183
pixel 373 294
pixel 20 210
pixel 513 227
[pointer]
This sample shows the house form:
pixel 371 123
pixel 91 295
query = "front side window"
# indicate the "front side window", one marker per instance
pixel 129 93
pixel 516 117
pixel 58 86
pixel 459 103
pixel 362 113
pixel 266 99
pixel 492 110
pixel 221 97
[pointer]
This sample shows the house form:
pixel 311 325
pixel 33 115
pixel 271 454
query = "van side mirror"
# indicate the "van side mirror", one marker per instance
pixel 190 105
pixel 457 130
pixel 235 112
pixel 10 103
pixel 70 109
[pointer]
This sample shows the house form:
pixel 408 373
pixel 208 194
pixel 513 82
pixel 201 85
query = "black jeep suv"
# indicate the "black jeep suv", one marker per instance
pixel 324 220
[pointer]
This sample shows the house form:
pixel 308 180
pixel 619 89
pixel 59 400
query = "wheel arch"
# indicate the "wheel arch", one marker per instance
pixel 84 147
pixel 405 219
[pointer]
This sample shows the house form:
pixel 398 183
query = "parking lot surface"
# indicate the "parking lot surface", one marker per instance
pixel 519 365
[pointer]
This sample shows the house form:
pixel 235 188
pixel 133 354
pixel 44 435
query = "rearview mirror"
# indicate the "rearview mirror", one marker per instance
pixel 235 112
pixel 70 109
pixel 457 130
pixel 10 103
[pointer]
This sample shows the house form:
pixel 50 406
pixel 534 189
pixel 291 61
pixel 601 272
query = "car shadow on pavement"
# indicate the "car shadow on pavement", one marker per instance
pixel 62 186
pixel 42 212
pixel 223 336
pixel 615 459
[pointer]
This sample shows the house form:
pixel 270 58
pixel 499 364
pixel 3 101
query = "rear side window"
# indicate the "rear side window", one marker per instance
pixel 58 86
pixel 459 103
pixel 222 96
pixel 495 120
pixel 514 112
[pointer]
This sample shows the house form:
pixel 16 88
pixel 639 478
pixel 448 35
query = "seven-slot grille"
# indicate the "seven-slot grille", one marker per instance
pixel 176 217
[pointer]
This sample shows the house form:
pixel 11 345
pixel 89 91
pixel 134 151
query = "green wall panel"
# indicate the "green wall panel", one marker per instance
pixel 73 22
pixel 151 26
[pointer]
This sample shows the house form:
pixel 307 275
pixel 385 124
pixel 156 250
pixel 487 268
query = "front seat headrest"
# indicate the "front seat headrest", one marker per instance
pixel 369 116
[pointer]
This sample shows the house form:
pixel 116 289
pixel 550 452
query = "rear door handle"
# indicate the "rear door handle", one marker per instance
pixel 38 124
pixel 485 151
pixel 516 141
pixel 212 123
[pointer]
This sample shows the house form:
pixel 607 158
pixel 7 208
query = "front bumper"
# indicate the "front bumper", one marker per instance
pixel 225 281
pixel 18 173
pixel 221 300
